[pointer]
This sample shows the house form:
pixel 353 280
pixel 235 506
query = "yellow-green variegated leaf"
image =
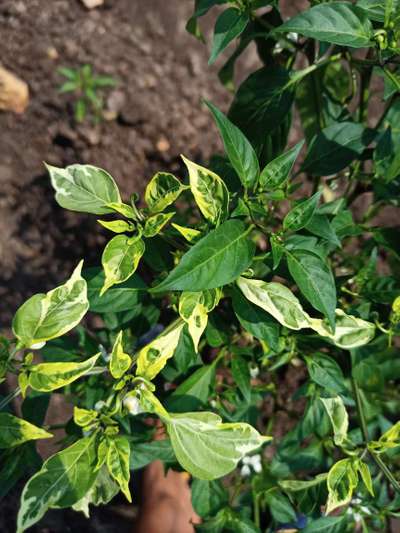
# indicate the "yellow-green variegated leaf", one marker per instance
pixel 118 463
pixel 84 417
pixel 208 448
pixel 102 492
pixel 153 357
pixel 194 313
pixel 390 439
pixel 295 485
pixel 84 188
pixel 338 417
pixel 209 191
pixel 282 304
pixel 277 300
pixel 363 469
pixel 190 234
pixel 63 480
pixel 119 361
pixel 120 259
pixel 123 209
pixel 15 431
pixel 46 377
pixel 155 223
pixel 162 190
pixel 47 316
pixel 194 308
pixel 117 226
pixel 342 480
pixel 350 331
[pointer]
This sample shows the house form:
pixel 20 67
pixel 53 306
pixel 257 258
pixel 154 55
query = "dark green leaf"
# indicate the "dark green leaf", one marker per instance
pixel 215 260
pixel 325 371
pixel 203 6
pixel 118 298
pixel 208 497
pixel 320 225
pixel 241 375
pixel 144 453
pixel 239 150
pixel 277 171
pixel 280 507
pixel 315 280
pixel 229 25
pixel 194 391
pixel 323 524
pixel 337 22
pixel 255 320
pixel 301 214
pixel 374 9
pixel 261 104
pixel 336 147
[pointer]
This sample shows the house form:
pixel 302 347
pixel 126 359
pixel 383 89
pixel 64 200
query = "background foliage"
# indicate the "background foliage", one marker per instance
pixel 250 266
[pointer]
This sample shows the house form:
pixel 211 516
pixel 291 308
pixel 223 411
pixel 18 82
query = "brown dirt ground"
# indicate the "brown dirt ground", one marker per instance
pixel 163 75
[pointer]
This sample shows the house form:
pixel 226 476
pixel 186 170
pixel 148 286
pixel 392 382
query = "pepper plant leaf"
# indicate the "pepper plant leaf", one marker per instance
pixel 120 259
pixel 154 356
pixel 15 431
pixel 119 361
pixel 209 191
pixel 239 150
pixel 62 481
pixel 337 22
pixel 118 463
pixel 46 377
pixel 84 188
pixel 208 448
pixel 215 260
pixel 229 25
pixel 161 191
pixel 47 316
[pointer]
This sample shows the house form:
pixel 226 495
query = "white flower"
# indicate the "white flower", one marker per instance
pixel 132 404
pixel 251 462
pixel 254 371
pixel 245 471
pixel 256 464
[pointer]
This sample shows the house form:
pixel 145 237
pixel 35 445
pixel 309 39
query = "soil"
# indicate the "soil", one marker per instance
pixel 162 77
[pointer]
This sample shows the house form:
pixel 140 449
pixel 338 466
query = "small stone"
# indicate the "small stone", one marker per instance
pixel 52 53
pixel 90 135
pixel 91 4
pixel 14 93
pixel 163 145
pixel 116 101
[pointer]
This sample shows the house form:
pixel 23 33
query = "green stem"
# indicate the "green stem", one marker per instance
pixel 300 74
pixel 9 398
pixel 385 112
pixel 364 429
pixel 257 513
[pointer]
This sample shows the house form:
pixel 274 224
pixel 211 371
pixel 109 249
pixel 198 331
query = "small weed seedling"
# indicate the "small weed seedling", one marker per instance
pixel 87 88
